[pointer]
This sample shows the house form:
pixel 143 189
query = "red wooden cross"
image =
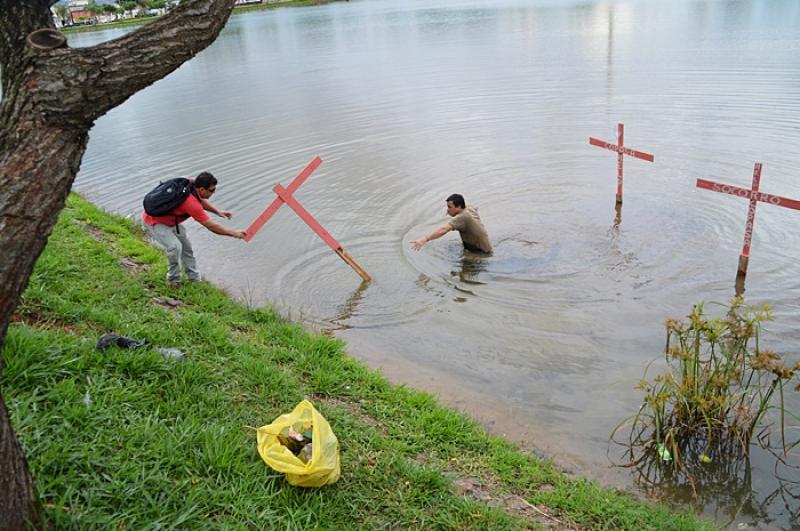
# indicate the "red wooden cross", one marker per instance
pixel 754 195
pixel 621 150
pixel 285 196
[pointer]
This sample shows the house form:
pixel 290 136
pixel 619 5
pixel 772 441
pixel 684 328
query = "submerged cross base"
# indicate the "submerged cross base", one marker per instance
pixel 285 196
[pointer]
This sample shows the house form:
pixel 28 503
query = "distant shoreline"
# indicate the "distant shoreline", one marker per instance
pixel 238 9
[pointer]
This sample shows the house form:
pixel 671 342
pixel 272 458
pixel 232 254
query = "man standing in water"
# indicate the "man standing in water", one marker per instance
pixel 468 224
pixel 166 229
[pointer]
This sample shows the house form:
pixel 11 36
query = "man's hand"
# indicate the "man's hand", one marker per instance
pixel 225 214
pixel 438 233
pixel 240 234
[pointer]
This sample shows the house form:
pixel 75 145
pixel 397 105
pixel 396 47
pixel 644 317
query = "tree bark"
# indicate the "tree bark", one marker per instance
pixel 51 99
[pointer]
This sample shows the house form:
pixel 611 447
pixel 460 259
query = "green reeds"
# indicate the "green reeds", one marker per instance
pixel 716 394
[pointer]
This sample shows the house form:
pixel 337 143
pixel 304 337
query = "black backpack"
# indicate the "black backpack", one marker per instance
pixel 167 195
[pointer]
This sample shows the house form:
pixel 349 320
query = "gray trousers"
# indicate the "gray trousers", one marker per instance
pixel 179 249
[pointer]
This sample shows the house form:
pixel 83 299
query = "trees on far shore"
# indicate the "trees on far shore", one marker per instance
pixel 68 14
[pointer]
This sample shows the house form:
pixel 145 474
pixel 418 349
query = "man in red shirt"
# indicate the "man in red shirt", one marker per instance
pixel 166 229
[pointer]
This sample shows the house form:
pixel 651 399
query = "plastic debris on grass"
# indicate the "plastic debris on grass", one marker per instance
pixel 302 446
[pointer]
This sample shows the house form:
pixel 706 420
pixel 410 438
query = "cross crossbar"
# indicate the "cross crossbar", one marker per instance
pixel 278 202
pixel 627 151
pixel 287 198
pixel 747 193
pixel 284 196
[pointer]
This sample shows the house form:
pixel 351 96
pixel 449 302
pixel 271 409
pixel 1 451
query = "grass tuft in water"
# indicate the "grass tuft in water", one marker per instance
pixel 720 390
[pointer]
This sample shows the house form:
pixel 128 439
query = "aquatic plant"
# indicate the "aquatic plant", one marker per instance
pixel 719 390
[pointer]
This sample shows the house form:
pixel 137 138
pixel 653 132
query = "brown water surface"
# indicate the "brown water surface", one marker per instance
pixel 409 101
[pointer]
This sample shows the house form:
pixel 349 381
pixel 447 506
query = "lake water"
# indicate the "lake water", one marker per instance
pixel 409 101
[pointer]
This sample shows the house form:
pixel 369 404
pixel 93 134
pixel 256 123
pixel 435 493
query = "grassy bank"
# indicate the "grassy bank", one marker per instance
pixel 238 9
pixel 125 439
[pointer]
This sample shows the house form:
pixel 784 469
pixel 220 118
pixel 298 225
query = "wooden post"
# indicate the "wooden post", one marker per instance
pixel 349 260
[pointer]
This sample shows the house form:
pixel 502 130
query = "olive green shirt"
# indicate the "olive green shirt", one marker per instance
pixel 473 234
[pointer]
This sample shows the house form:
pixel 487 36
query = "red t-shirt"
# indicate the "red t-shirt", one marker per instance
pixel 190 208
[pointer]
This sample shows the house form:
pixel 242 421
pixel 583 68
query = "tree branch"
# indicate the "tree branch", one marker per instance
pixel 50 99
pixel 79 85
pixel 17 19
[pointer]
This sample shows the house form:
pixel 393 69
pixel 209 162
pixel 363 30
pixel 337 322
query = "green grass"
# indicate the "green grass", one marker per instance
pixel 125 439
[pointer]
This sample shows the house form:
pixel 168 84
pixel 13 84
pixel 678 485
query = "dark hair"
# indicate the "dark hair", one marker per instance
pixel 457 200
pixel 205 180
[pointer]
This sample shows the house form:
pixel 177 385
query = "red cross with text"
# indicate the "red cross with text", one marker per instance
pixel 285 197
pixel 621 150
pixel 754 196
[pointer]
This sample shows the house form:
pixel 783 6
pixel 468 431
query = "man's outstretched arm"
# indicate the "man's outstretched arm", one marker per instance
pixel 216 228
pixel 438 233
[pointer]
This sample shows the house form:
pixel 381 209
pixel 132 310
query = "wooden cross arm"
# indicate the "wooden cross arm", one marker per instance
pixel 616 149
pixel 748 194
pixel 290 201
pixel 278 202
pixel 638 154
pixel 603 144
pixel 287 198
pixel 284 195
pixel 259 222
pixel 303 175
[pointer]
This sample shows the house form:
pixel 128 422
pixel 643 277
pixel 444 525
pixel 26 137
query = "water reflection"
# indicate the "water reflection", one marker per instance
pixel 726 480
pixel 467 277
pixel 347 310
pixel 723 488
pixel 472 265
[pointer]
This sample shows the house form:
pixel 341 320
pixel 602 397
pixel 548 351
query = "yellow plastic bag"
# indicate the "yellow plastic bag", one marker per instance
pixel 322 468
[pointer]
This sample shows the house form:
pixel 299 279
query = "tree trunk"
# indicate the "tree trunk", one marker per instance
pixel 51 98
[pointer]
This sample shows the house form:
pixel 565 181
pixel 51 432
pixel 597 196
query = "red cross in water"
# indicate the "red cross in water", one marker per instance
pixel 621 150
pixel 285 196
pixel 754 195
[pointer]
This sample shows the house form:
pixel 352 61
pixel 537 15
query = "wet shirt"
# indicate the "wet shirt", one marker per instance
pixel 190 208
pixel 473 234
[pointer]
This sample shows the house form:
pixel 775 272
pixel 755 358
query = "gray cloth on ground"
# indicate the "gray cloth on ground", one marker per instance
pixel 123 342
